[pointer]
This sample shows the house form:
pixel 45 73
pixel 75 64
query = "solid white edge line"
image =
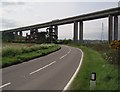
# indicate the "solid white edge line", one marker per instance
pixel 74 75
pixel 5 85
pixel 42 68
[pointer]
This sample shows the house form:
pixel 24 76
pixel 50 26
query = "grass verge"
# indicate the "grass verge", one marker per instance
pixel 13 56
pixel 107 74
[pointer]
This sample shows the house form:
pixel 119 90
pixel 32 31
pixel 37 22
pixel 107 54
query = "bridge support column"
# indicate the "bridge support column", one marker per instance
pixel 56 31
pixel 31 31
pixel 110 27
pixel 51 33
pixel 81 32
pixel 115 27
pixel 16 35
pixel 21 33
pixel 75 38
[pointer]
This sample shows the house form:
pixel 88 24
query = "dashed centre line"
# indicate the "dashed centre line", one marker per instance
pixel 5 85
pixel 63 56
pixel 42 68
pixel 66 54
pixel 69 51
pixel 49 64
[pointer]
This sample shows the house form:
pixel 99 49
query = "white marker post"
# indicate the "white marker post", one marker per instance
pixel 93 81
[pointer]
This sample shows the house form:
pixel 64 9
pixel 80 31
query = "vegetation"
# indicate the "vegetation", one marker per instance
pixel 35 37
pixel 107 52
pixel 14 53
pixel 94 61
pixel 115 44
pixel 8 37
pixel 65 41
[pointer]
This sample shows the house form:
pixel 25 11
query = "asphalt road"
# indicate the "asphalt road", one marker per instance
pixel 51 72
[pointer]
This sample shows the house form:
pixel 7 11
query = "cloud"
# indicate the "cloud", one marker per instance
pixel 12 3
pixel 7 23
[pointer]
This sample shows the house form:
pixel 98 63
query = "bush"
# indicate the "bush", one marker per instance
pixel 109 53
pixel 115 44
pixel 67 41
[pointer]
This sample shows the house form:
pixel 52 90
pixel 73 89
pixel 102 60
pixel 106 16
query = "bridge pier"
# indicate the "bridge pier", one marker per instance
pixel 81 32
pixel 21 33
pixel 110 28
pixel 31 31
pixel 16 35
pixel 51 33
pixel 56 30
pixel 75 38
pixel 115 27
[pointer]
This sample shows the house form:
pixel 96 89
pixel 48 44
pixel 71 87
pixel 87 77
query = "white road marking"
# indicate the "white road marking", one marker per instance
pixel 50 63
pixel 69 51
pixel 66 54
pixel 74 75
pixel 63 56
pixel 5 85
pixel 42 68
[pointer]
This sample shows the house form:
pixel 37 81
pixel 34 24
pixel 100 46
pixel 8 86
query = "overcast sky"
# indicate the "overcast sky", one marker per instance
pixel 18 14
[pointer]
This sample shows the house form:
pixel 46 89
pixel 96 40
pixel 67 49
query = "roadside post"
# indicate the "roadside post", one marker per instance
pixel 93 81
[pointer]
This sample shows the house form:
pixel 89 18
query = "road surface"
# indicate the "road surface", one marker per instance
pixel 51 72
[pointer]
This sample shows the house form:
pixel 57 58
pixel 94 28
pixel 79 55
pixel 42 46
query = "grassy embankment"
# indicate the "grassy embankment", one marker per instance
pixel 96 60
pixel 14 53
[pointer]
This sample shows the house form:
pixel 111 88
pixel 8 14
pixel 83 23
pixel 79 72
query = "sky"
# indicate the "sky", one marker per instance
pixel 16 13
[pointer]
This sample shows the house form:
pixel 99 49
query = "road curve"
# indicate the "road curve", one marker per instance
pixel 51 72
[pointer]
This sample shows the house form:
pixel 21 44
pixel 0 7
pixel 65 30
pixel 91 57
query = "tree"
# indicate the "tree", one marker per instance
pixel 8 36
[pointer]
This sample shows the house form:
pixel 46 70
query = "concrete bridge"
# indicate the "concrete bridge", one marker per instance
pixel 112 15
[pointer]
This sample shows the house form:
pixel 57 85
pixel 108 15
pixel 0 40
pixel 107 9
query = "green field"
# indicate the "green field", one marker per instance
pixel 94 61
pixel 14 53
